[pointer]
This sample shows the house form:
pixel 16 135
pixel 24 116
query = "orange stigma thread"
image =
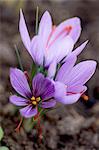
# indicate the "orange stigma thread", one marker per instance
pixel 19 125
pixel 85 97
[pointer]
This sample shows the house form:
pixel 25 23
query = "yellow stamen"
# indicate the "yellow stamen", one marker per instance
pixel 33 98
pixel 34 102
pixel 38 99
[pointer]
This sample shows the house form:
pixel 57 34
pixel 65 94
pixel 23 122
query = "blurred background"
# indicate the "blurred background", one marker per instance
pixel 74 127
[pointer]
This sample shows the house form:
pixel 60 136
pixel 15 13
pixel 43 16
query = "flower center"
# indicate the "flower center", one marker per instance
pixel 35 100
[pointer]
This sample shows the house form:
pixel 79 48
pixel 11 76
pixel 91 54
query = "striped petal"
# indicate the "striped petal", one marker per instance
pixel 19 82
pixel 42 87
pixel 64 71
pixel 18 101
pixel 28 111
pixel 48 104
pixel 81 73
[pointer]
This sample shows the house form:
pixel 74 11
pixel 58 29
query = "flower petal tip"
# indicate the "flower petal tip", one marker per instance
pixel 77 20
pixel 21 14
pixel 93 63
pixel 12 70
pixel 86 42
pixel 46 13
pixel 20 10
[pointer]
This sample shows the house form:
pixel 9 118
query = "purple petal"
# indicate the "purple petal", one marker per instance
pixel 70 99
pixel 60 90
pixel 28 111
pixel 64 71
pixel 42 87
pixel 48 89
pixel 81 73
pixel 58 51
pixel 48 104
pixel 45 27
pixel 52 69
pixel 37 84
pixel 18 101
pixel 19 82
pixel 79 49
pixel 24 32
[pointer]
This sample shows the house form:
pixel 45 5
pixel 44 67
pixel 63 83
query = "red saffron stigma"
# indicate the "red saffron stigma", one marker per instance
pixel 39 128
pixel 26 74
pixel 68 29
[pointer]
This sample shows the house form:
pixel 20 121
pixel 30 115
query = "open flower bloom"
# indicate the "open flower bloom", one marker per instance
pixel 52 42
pixel 70 79
pixel 41 94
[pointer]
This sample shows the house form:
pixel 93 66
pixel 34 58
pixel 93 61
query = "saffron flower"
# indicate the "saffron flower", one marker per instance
pixel 52 42
pixel 39 96
pixel 70 80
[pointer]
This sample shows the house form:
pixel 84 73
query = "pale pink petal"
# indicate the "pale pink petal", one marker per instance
pixel 45 27
pixel 52 69
pixel 34 47
pixel 62 29
pixel 79 49
pixel 37 50
pixel 60 90
pixel 81 73
pixel 64 71
pixel 59 50
pixel 70 99
pixel 76 28
pixel 24 32
pixel 76 89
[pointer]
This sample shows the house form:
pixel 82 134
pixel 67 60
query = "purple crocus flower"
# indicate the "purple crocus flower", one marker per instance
pixel 70 80
pixel 40 95
pixel 51 43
